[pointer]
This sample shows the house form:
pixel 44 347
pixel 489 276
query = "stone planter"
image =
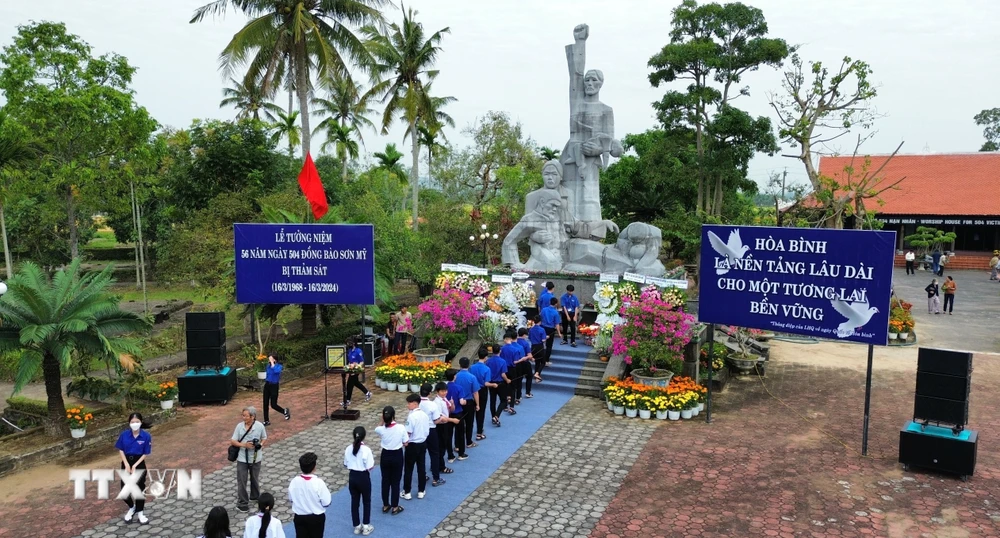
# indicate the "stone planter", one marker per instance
pixel 390 386
pixel 743 365
pixel 261 375
pixel 430 354
pixel 631 413
pixel 674 415
pixel 619 409
pixel 662 415
pixel 645 414
pixel 166 404
pixel 686 414
pixel 78 433
pixel 651 381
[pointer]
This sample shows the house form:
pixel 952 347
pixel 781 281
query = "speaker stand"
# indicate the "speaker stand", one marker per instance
pixel 344 413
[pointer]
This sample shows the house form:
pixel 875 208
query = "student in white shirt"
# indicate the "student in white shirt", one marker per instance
pixel 394 438
pixel 359 461
pixel 418 426
pixel 309 497
pixel 433 443
pixel 263 525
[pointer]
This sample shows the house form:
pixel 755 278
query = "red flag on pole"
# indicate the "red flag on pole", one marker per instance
pixel 312 187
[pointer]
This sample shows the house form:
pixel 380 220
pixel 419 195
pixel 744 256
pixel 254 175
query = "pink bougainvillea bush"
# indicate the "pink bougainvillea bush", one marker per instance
pixel 445 312
pixel 653 335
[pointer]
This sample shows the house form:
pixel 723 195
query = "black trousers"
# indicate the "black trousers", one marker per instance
pixel 469 421
pixel 527 375
pixel 445 445
pixel 391 466
pixel 459 430
pixel 909 268
pixel 139 503
pixel 949 302
pixel 498 398
pixel 311 525
pixel 360 485
pixel 518 385
pixel 271 399
pixel 416 454
pixel 568 326
pixel 541 359
pixel 353 381
pixel 484 398
pixel 434 451
pixel 550 338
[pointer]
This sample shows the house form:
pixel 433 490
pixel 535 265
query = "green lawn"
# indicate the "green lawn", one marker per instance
pixel 103 238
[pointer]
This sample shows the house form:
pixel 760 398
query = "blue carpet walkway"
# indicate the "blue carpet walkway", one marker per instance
pixel 421 516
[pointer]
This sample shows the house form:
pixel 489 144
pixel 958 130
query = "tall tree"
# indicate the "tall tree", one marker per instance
pixel 342 139
pixel 286 126
pixel 298 37
pixel 346 107
pixel 249 100
pixel 388 160
pixel 401 70
pixel 813 112
pixel 16 150
pixel 79 106
pixel 712 46
pixel 547 153
pixel 989 120
pixel 50 319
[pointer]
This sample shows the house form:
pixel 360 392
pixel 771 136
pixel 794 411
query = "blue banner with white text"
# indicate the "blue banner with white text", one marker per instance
pixel 305 263
pixel 816 282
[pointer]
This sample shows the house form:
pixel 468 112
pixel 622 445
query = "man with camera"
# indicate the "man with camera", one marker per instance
pixel 248 439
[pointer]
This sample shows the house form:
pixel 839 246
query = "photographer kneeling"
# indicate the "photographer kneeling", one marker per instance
pixel 248 438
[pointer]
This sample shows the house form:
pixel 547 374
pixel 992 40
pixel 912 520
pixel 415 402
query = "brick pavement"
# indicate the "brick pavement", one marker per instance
pixel 762 470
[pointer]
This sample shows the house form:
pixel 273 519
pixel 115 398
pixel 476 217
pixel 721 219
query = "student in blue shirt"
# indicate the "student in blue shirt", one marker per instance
pixel 523 366
pixel 570 314
pixel 470 391
pixel 498 389
pixel 545 296
pixel 537 337
pixel 133 445
pixel 482 374
pixel 551 321
pixel 355 356
pixel 274 369
pixel 457 397
pixel 511 353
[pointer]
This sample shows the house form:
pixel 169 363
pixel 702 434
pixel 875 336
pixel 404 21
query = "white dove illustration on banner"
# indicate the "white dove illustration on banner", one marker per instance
pixel 857 314
pixel 734 249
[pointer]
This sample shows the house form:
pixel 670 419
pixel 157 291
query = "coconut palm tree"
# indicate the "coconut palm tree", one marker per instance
pixel 388 160
pixel 547 153
pixel 249 99
pixel 48 320
pixel 287 126
pixel 429 136
pixel 297 36
pixel 346 106
pixel 15 150
pixel 401 68
pixel 342 139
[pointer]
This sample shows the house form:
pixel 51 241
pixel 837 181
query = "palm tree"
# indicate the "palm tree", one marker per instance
pixel 15 150
pixel 287 126
pixel 249 99
pixel 345 107
pixel 429 136
pixel 48 320
pixel 401 69
pixel 341 138
pixel 388 160
pixel 548 154
pixel 297 36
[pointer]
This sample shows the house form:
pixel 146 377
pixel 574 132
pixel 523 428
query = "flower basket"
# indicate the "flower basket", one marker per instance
pixel 656 378
pixel 430 354
pixel 260 364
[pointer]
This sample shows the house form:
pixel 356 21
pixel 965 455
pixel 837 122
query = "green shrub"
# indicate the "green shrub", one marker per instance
pixel 93 388
pixel 28 405
pixel 143 392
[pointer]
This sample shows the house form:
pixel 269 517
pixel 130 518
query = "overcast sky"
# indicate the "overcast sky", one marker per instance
pixel 936 62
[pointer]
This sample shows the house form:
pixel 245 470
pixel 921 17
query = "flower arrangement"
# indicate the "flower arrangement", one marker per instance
pixel 446 311
pixel 900 317
pixel 78 418
pixel 682 393
pixel 676 297
pixel 653 336
pixel 260 363
pixel 354 367
pixel 589 330
pixel 491 328
pixel 168 391
pixel 602 343
pixel 405 369
pixel 895 326
pixel 718 358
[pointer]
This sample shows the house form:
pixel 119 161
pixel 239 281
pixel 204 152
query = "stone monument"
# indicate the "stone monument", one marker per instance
pixel 562 220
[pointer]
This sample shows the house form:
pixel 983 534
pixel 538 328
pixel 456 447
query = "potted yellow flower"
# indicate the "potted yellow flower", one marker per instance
pixel 260 364
pixel 166 394
pixel 674 406
pixel 78 418
pixel 632 405
pixel 645 404
pixel 660 405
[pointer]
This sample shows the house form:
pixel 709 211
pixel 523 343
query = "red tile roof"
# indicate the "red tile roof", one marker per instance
pixel 945 184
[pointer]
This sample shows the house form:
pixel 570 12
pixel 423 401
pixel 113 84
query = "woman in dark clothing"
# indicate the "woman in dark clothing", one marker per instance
pixel 933 297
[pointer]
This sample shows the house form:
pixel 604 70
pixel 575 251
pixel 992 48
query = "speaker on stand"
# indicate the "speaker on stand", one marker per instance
pixel 208 378
pixel 936 438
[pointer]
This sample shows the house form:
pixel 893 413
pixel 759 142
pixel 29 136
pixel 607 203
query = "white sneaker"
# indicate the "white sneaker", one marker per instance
pixel 142 518
pixel 358 529
pixel 129 514
pixel 407 496
pixel 420 494
pixel 368 529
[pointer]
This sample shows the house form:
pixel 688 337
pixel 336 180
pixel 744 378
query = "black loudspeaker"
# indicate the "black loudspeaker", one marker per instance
pixel 938 449
pixel 205 321
pixel 206 357
pixel 210 338
pixel 199 387
pixel 943 383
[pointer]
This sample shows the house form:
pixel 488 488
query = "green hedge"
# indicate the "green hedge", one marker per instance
pixel 41 408
pixel 114 254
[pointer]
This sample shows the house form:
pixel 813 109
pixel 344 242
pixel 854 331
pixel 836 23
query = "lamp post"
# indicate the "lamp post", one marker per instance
pixel 484 237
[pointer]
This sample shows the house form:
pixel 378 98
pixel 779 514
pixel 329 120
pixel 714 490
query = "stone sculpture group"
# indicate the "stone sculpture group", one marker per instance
pixel 562 220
